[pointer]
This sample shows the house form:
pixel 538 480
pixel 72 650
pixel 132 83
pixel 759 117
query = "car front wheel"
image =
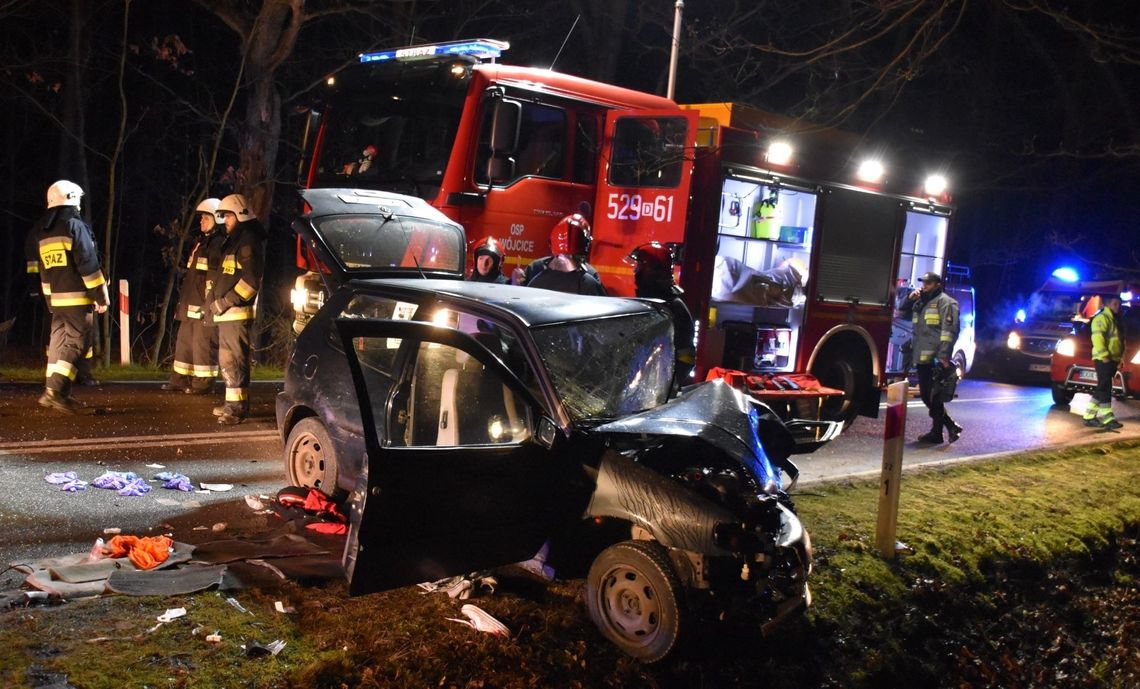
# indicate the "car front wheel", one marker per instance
pixel 635 598
pixel 310 458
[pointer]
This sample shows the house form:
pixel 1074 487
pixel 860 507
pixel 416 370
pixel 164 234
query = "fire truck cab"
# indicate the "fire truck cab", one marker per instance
pixel 792 241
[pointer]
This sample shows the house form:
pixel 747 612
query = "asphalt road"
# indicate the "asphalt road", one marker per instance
pixel 138 426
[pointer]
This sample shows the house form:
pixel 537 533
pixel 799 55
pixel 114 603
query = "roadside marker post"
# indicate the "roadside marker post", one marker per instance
pixel 894 438
pixel 124 323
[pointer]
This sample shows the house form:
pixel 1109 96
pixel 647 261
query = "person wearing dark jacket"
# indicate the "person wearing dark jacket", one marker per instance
pixel 488 262
pixel 232 282
pixel 653 279
pixel 196 347
pixel 567 270
pixel 61 249
pixel 934 315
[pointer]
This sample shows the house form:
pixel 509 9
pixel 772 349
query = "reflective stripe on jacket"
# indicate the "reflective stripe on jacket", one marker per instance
pixel 1106 342
pixel 62 251
pixel 935 321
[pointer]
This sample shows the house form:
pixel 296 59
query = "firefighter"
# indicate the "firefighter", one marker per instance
pixel 653 279
pixel 61 249
pixel 1107 350
pixel 196 349
pixel 488 262
pixel 557 238
pixel 935 317
pixel 233 279
pixel 567 269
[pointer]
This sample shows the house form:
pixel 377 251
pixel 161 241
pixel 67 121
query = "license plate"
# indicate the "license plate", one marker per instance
pixel 1089 376
pixel 1041 368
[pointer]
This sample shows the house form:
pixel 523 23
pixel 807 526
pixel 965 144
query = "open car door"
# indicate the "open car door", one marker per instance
pixel 643 188
pixel 457 479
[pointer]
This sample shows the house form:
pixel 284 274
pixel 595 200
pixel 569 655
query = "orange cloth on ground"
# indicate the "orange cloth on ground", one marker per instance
pixel 146 552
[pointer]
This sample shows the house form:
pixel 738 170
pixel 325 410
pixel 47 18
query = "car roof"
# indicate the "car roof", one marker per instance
pixel 532 305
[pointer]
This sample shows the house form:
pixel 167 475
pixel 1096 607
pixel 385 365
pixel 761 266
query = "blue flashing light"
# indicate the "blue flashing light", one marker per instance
pixel 1020 316
pixel 481 48
pixel 1066 274
pixel 1126 296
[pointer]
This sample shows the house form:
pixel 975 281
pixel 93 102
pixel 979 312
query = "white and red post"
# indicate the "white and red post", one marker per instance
pixel 124 323
pixel 894 439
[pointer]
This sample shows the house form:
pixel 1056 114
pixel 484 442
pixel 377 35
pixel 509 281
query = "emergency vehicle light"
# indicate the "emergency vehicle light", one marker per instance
pixel 1126 296
pixel 871 171
pixel 779 153
pixel 481 48
pixel 935 186
pixel 1066 274
pixel 1020 316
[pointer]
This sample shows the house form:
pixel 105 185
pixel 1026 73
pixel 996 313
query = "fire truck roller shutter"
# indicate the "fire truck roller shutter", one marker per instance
pixel 844 359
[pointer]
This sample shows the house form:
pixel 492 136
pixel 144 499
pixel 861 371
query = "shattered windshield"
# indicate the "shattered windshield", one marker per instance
pixel 391 128
pixel 612 367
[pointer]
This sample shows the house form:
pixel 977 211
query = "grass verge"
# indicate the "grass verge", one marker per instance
pixel 1020 572
pixel 120 373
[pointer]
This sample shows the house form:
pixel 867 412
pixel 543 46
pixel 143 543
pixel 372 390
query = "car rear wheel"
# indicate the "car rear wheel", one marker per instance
pixel 1061 396
pixel 635 598
pixel 310 458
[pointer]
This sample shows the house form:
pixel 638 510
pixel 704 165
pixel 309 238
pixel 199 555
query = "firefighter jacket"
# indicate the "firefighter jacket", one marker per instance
pixel 192 294
pixel 62 251
pixel 1106 342
pixel 235 272
pixel 935 320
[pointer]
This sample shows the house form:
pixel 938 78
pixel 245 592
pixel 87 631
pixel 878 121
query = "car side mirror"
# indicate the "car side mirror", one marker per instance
pixel 547 432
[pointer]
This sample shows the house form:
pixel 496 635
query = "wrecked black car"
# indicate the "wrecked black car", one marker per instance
pixel 472 423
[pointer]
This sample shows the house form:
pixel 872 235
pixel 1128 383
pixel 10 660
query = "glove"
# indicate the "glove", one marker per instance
pixel 220 306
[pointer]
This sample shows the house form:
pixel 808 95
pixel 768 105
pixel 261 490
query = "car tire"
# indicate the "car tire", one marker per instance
pixel 1061 396
pixel 959 361
pixel 636 599
pixel 310 457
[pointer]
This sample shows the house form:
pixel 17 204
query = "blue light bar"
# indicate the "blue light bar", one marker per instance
pixel 481 48
pixel 1126 296
pixel 1066 274
pixel 1020 316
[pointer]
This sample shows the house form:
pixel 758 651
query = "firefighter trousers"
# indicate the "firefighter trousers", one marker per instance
pixel 234 360
pixel 195 355
pixel 1100 407
pixel 72 332
pixel 928 390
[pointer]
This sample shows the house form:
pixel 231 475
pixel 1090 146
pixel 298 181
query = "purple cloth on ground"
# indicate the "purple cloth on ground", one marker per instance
pixel 57 478
pixel 74 486
pixel 114 480
pixel 180 482
pixel 137 486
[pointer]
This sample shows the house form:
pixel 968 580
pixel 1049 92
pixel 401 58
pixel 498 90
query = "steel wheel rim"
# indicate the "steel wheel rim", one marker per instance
pixel 307 461
pixel 630 604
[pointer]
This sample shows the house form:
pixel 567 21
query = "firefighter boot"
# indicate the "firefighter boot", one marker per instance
pixel 953 430
pixel 233 413
pixel 933 436
pixel 54 399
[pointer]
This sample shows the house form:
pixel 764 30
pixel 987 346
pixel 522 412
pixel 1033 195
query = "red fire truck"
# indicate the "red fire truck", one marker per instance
pixel 791 245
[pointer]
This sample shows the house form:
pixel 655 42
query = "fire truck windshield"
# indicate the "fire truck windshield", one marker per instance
pixel 390 128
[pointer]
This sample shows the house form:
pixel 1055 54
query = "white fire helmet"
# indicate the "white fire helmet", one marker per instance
pixel 64 193
pixel 236 204
pixel 210 206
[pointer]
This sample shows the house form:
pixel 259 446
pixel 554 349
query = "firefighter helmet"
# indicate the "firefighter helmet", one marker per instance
pixel 210 206
pixel 571 236
pixel 64 193
pixel 489 246
pixel 236 204
pixel 652 263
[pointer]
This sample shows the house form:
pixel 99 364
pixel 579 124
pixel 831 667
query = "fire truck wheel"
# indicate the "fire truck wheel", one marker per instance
pixel 1061 396
pixel 842 373
pixel 310 457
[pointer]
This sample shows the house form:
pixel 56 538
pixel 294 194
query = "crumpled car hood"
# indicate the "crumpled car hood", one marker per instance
pixel 713 412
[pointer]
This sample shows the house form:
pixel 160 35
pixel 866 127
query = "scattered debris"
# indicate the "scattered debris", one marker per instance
pixel 96 553
pixel 254 503
pixel 112 530
pixel 281 608
pixel 241 608
pixel 461 587
pixel 175 481
pixel 172 614
pixel 216 487
pixel 481 620
pixel 256 650
pixel 214 638
pixel 155 466
pixel 218 527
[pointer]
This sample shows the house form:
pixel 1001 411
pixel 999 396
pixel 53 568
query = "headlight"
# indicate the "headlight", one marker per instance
pixel 1067 347
pixel 1136 357
pixel 299 297
pixel 1013 341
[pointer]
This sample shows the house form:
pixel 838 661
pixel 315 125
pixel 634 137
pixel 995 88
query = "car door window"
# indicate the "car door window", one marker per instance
pixel 456 401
